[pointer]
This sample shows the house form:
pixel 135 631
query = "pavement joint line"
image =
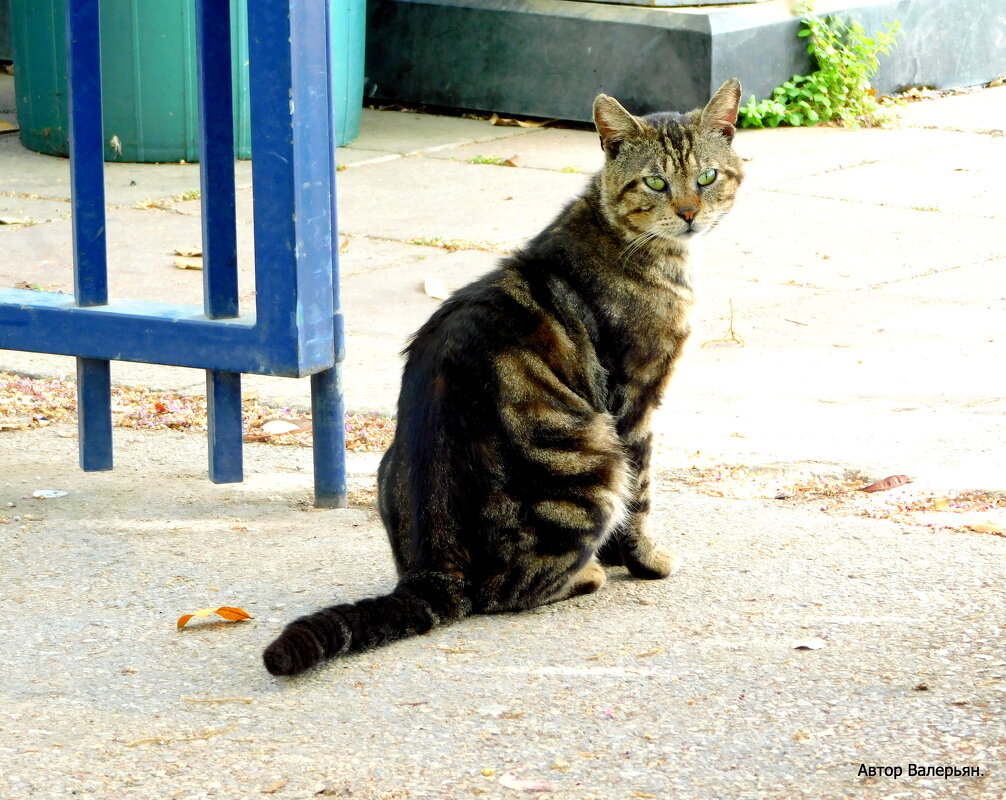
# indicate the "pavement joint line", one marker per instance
pixel 342 166
pixel 934 271
pixel 858 201
pixel 993 133
pixel 503 250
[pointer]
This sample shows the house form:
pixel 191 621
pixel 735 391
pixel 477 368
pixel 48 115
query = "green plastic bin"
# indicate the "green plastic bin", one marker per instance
pixel 148 72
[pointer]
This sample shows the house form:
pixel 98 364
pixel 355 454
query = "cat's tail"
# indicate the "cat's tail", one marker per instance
pixel 422 600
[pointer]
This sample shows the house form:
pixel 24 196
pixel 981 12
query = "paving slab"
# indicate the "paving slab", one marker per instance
pixel 983 111
pixel 966 180
pixel 785 155
pixel 428 197
pixel 407 132
pixel 855 244
pixel 561 149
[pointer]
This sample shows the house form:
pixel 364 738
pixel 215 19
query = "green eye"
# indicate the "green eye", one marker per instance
pixel 707 177
pixel 656 183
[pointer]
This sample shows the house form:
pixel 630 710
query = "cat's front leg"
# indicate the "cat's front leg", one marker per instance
pixel 638 552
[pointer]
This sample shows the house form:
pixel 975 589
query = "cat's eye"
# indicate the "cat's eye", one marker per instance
pixel 655 182
pixel 707 177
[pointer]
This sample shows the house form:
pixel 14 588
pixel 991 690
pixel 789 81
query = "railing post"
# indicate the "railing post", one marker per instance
pixel 328 407
pixel 219 221
pixel 87 193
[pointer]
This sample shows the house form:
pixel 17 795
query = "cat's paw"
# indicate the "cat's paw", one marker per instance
pixel 652 564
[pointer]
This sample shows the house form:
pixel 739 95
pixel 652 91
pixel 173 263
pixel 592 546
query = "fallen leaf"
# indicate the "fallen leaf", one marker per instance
pixel 5 220
pixel 648 653
pixel 48 494
pixel 987 527
pixel 511 162
pixel 891 482
pixel 227 612
pixel 941 504
pixel 189 252
pixel 344 246
pixel 435 288
pixel 809 644
pixel 510 122
pixel 278 427
pixel 183 262
pixel 275 427
pixel 275 786
pixel 511 781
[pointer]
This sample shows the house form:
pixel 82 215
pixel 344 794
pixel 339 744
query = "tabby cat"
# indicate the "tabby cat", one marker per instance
pixel 520 462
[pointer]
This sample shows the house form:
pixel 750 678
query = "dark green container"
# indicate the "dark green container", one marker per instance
pixel 148 72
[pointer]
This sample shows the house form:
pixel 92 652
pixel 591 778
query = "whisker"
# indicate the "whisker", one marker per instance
pixel 637 243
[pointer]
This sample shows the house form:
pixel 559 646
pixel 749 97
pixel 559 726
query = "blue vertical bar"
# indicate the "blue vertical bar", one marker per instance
pixel 328 408
pixel 223 393
pixel 329 429
pixel 87 192
pixel 220 263
pixel 94 414
pixel 87 157
pixel 216 158
pixel 288 72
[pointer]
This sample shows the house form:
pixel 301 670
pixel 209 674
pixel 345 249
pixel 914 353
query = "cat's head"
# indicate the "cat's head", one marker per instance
pixel 668 177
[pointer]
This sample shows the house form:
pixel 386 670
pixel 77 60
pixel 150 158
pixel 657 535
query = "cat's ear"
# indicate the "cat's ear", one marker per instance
pixel 614 123
pixel 720 114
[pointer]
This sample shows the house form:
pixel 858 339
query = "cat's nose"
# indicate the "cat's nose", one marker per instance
pixel 687 213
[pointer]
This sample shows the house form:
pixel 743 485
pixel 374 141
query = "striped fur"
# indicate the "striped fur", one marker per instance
pixel 521 456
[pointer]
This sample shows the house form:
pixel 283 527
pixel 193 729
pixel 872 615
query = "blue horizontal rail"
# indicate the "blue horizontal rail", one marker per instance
pixel 150 332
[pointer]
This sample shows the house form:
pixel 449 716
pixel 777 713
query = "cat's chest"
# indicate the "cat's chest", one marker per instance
pixel 651 331
pixel 656 320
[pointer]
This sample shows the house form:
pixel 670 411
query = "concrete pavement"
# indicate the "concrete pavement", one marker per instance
pixel 864 271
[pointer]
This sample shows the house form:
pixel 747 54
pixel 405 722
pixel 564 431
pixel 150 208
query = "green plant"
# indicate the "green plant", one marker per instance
pixel 497 161
pixel 839 89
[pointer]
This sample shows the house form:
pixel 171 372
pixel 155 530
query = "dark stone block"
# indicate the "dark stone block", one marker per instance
pixel 549 58
pixel 5 46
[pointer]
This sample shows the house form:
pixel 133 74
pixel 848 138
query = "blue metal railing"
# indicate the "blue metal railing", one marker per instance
pixel 296 328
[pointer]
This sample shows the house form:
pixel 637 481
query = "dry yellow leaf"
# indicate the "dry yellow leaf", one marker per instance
pixel 275 786
pixel 189 252
pixel 987 527
pixel 183 262
pixel 227 612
